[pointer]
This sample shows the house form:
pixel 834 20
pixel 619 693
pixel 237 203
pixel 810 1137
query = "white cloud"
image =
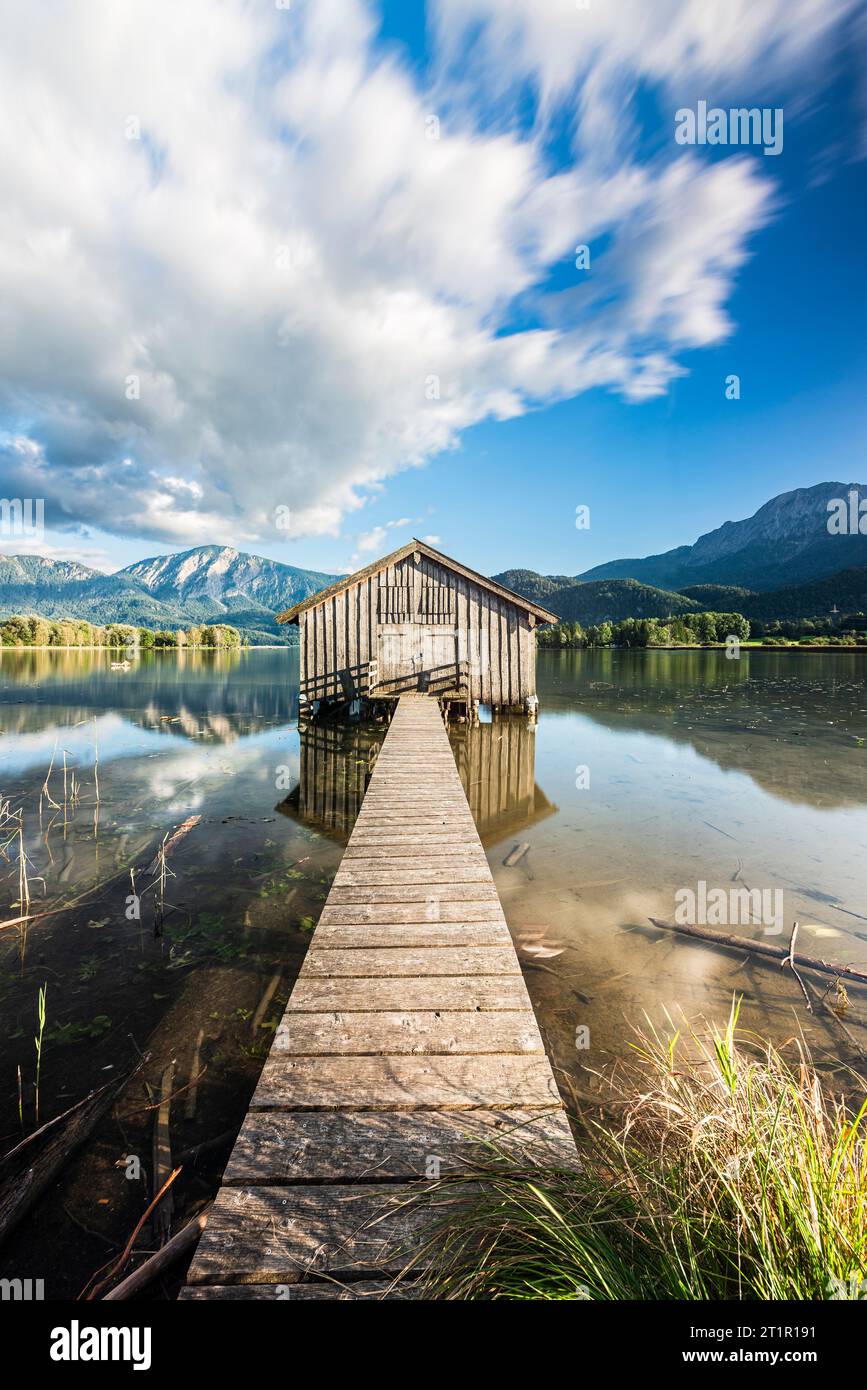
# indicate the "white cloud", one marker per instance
pixel 246 307
pixel 371 540
pixel 708 47
pixel 82 554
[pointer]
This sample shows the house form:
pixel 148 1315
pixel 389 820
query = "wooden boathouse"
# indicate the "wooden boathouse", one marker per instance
pixel 417 620
pixel 408 1043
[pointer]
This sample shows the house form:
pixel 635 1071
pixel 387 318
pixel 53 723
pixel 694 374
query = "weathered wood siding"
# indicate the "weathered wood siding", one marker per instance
pixel 421 601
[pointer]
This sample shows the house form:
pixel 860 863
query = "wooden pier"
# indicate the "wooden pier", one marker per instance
pixel 409 1036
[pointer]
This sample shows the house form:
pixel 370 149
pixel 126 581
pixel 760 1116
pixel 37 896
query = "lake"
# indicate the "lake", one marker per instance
pixel 648 773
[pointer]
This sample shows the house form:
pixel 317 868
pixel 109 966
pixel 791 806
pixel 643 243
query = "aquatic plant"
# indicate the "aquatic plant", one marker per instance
pixel 38 1043
pixel 732 1173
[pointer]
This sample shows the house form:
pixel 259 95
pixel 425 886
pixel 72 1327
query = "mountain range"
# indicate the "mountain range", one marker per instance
pixel 785 542
pixel 211 584
pixel 782 562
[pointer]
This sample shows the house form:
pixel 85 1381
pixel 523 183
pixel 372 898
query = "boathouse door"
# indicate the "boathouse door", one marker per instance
pixel 416 656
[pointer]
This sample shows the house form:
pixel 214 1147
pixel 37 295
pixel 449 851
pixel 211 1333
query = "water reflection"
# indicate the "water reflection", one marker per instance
pixel 497 765
pixel 160 689
pixel 334 766
pixel 752 772
pixel 795 723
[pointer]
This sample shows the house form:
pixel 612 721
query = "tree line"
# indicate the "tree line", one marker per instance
pixel 702 628
pixel 684 628
pixel 32 631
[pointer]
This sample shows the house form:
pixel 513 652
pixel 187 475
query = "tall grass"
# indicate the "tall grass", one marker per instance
pixel 731 1174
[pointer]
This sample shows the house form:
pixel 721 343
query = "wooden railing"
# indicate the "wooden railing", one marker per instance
pixel 351 682
pixel 348 683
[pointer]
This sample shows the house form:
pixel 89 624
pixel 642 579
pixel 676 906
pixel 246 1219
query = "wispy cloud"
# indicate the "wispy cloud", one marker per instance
pixel 238 274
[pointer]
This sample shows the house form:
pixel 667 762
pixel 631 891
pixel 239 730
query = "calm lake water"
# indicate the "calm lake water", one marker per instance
pixel 648 773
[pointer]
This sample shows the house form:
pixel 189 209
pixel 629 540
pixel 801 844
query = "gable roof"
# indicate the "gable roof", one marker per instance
pixel 291 615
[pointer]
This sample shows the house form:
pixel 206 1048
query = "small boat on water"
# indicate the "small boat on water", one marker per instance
pixel 120 665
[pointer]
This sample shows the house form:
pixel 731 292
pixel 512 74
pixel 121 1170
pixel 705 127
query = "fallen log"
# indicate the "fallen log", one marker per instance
pixel 24 1186
pixel 781 954
pixel 185 1238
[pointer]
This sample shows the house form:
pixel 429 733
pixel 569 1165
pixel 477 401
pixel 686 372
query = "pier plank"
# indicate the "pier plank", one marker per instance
pixel 329 935
pixel 404 1083
pixel 481 992
pixel 408 960
pixel 290 1147
pixel 418 1033
pixel 407 1048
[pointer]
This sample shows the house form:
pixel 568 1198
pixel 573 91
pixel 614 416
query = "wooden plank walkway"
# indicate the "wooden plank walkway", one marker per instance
pixel 409 1036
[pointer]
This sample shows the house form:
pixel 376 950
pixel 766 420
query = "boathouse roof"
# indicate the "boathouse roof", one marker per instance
pixel 347 581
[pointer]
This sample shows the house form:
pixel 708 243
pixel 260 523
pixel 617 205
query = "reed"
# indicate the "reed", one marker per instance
pixel 732 1174
pixel 41 1014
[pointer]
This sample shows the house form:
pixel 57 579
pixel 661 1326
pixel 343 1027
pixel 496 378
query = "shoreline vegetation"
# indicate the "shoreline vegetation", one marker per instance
pixel 710 629
pixel 720 1168
pixel 68 634
pixel 687 631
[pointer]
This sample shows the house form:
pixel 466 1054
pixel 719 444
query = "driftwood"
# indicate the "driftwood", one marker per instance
pixel 790 959
pixel 266 1000
pixel 515 855
pixel 781 954
pixel 88 897
pixel 192 1093
pixel 162 1152
pixel 179 1244
pixel 22 1188
pixel 184 829
pixel 92 1288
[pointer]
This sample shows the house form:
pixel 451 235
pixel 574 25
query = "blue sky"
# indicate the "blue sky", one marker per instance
pixel 284 259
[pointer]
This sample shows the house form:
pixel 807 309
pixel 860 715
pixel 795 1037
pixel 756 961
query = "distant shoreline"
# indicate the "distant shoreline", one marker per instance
pixel 293 646
pixel 719 647
pixel 156 651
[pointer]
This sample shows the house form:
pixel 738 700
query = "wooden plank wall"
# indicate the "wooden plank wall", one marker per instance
pixel 342 634
pixel 409 1036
